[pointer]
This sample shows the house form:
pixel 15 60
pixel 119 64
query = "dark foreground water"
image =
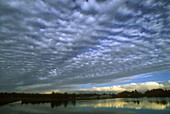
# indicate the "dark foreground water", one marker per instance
pixel 106 106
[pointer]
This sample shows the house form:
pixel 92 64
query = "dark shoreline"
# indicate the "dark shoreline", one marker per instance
pixel 64 98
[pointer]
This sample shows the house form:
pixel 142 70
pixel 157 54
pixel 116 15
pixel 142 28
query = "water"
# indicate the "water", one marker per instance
pixel 105 106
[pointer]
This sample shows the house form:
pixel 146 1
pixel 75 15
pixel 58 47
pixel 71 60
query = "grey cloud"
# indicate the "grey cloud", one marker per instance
pixel 65 42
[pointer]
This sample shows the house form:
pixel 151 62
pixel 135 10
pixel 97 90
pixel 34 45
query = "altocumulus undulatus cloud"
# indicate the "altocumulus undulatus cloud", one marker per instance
pixel 70 42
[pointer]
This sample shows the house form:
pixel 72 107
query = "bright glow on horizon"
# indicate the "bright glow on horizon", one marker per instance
pixel 127 87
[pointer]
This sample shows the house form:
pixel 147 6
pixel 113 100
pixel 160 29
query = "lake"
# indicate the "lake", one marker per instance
pixel 103 106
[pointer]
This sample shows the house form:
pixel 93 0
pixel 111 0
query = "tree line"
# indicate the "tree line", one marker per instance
pixel 149 93
pixel 73 96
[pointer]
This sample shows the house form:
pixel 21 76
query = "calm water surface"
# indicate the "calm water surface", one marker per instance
pixel 106 106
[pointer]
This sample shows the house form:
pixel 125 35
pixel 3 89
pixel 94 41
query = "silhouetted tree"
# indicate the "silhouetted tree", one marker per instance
pixel 156 93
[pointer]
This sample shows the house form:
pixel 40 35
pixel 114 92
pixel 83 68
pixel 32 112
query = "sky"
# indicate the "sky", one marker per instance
pixel 84 45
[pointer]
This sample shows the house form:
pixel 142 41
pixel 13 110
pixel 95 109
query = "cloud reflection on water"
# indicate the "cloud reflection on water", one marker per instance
pixel 129 103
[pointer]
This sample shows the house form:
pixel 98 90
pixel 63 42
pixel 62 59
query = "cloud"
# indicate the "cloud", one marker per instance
pixel 32 87
pixel 126 87
pixel 65 42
